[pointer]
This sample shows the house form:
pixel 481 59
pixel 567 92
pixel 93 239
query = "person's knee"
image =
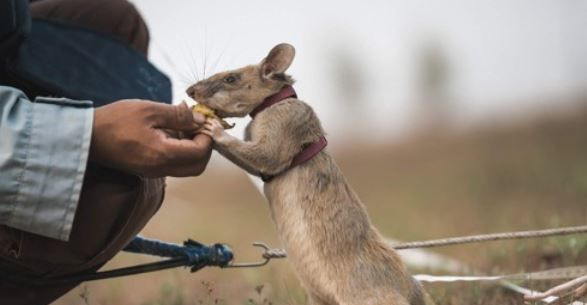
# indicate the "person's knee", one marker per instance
pixel 118 18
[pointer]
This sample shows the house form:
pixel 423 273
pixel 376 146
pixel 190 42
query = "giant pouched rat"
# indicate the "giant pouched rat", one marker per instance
pixel 337 254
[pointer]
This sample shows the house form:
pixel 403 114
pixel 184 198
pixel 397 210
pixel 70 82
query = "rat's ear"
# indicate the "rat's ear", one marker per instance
pixel 278 60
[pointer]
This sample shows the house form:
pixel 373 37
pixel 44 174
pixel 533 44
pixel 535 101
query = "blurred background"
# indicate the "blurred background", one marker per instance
pixel 448 118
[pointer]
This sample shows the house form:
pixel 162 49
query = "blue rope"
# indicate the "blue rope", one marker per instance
pixel 197 254
pixel 191 254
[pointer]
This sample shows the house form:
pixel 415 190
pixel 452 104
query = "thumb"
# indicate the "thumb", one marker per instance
pixel 178 117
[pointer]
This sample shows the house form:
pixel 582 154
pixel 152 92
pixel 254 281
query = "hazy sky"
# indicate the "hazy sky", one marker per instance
pixel 501 55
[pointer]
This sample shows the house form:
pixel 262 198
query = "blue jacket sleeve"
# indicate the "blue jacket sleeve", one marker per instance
pixel 44 147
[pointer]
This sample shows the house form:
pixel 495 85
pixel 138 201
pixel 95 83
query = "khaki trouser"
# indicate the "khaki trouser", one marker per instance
pixel 113 206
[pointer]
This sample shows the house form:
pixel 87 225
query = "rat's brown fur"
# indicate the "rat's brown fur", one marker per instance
pixel 338 255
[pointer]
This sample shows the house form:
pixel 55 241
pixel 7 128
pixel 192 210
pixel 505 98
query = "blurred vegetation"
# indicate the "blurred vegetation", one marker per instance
pixel 528 174
pixel 434 77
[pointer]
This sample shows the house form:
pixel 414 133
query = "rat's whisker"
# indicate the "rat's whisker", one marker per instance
pixel 193 66
pixel 180 73
pixel 217 61
pixel 183 75
pixel 183 79
pixel 190 71
pixel 185 83
pixel 215 64
pixel 205 49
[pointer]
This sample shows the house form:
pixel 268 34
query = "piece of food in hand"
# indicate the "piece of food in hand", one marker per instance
pixel 209 113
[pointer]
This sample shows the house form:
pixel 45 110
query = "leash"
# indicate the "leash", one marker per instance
pixel 191 254
pixel 196 256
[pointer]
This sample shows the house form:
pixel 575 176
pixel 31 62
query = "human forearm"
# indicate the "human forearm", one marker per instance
pixel 45 146
pixel 43 155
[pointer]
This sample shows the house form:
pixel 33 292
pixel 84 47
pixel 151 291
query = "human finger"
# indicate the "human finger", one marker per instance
pixel 178 117
pixel 187 151
pixel 190 157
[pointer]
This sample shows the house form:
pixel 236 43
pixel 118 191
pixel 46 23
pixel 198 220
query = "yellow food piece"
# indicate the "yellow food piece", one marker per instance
pixel 205 110
pixel 209 113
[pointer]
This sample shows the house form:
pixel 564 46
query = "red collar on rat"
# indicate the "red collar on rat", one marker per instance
pixel 309 150
pixel 286 92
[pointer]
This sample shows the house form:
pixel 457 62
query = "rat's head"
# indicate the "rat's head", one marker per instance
pixel 236 93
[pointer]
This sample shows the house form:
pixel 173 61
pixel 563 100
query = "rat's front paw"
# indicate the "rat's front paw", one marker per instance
pixel 214 129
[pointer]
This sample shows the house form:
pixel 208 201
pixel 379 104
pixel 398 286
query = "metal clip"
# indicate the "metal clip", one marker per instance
pixel 268 254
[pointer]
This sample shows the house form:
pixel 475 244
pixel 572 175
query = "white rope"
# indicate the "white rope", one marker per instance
pixel 560 289
pixel 491 237
pixel 552 274
pixel 549 297
pixel 476 238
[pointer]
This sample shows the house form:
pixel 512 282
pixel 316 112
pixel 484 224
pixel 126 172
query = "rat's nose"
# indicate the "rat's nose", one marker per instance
pixel 191 91
pixel 197 91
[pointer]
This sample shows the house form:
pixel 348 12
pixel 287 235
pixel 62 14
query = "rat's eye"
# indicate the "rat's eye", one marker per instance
pixel 230 79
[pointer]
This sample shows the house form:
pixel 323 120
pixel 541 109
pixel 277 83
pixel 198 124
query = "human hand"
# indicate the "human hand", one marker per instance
pixel 133 136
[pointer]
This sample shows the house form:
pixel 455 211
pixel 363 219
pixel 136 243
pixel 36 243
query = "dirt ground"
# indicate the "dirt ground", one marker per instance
pixel 527 175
